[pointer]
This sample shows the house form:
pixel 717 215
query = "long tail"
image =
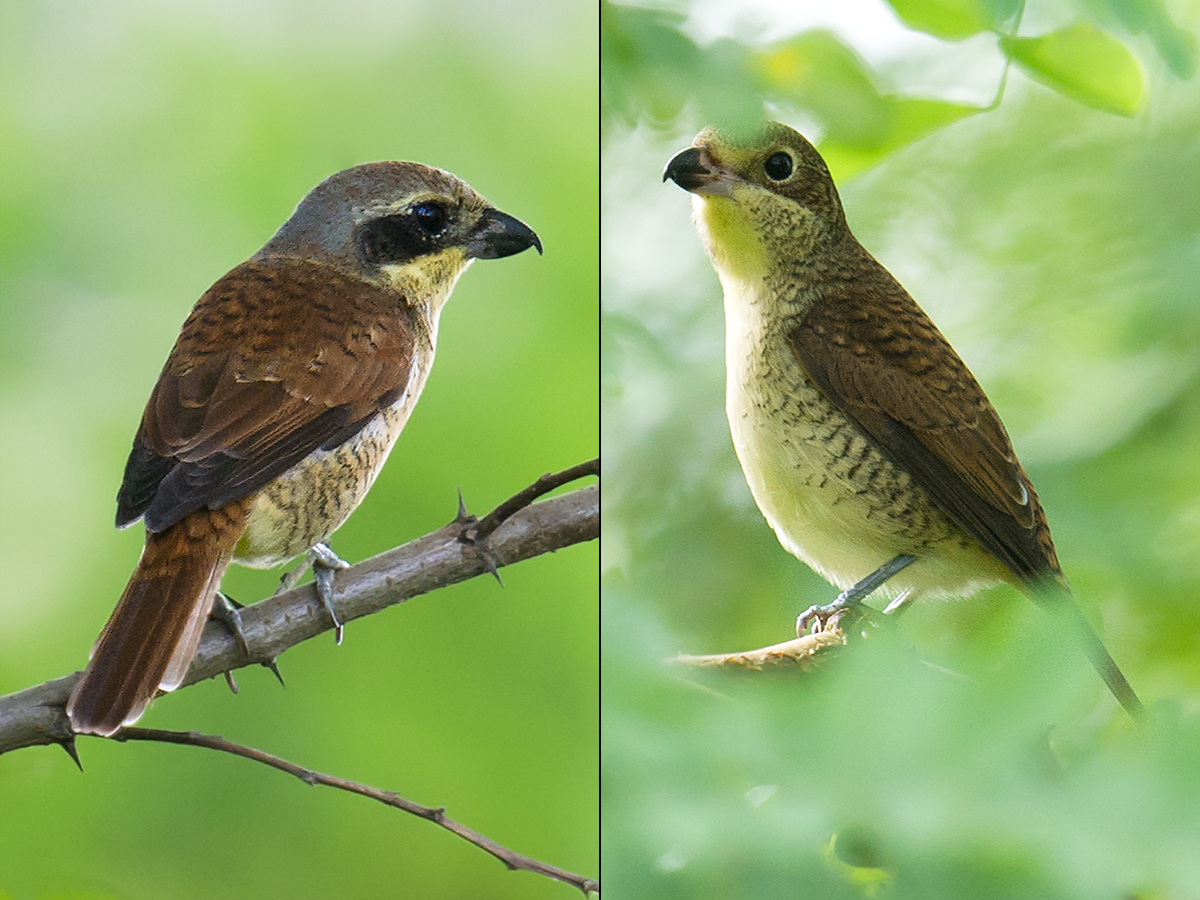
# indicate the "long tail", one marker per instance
pixel 1106 666
pixel 153 633
pixel 1059 599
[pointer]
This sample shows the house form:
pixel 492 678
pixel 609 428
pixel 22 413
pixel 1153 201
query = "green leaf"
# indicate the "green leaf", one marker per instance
pixel 1175 45
pixel 954 19
pixel 817 72
pixel 647 64
pixel 909 119
pixel 1083 63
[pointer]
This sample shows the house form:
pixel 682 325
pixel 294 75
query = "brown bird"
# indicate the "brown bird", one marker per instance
pixel 866 442
pixel 285 391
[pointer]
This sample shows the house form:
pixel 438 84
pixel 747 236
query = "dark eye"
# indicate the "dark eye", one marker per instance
pixel 778 166
pixel 404 236
pixel 431 217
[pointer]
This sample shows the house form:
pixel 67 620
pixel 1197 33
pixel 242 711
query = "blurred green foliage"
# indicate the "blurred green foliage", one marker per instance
pixel 968 750
pixel 652 68
pixel 146 149
pixel 1083 63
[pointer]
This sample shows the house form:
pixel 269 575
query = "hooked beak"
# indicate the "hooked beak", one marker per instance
pixel 693 170
pixel 498 234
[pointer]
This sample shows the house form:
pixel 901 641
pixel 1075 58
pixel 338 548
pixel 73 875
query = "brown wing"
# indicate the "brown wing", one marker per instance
pixel 278 358
pixel 882 362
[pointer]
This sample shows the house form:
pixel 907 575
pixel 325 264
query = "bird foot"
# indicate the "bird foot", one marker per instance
pixel 323 562
pixel 829 616
pixel 226 610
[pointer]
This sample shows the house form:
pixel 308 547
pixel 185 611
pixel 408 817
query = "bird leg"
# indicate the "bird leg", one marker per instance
pixel 324 563
pixel 226 610
pixel 853 595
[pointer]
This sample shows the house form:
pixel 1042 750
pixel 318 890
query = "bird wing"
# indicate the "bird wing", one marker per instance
pixel 881 361
pixel 279 358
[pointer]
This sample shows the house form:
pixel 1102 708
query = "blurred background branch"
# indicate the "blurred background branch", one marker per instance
pixel 516 862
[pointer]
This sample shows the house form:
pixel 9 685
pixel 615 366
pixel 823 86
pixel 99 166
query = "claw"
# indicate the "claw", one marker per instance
pixel 323 584
pixel 225 610
pixel 324 563
pixel 229 680
pixel 851 598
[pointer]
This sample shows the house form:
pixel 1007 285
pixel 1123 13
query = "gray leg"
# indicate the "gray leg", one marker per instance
pixel 324 563
pixel 225 610
pixel 853 595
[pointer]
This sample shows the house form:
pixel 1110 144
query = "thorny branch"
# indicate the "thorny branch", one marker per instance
pixel 518 529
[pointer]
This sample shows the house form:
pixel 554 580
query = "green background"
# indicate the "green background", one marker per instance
pixel 145 149
pixel 1058 248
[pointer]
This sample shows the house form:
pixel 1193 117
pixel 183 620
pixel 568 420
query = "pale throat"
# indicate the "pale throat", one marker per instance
pixel 431 280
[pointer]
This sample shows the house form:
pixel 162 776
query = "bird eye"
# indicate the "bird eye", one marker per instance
pixel 778 166
pixel 431 217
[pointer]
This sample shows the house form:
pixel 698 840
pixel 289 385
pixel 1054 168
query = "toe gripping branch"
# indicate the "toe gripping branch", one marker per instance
pixel 227 611
pixel 852 597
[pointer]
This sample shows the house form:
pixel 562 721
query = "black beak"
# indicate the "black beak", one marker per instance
pixel 499 234
pixel 687 171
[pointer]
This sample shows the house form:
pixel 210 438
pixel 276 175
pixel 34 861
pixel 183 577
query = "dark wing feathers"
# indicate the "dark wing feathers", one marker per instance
pixel 891 371
pixel 280 357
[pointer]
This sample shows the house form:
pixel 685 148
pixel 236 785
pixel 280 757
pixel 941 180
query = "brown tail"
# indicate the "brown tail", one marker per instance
pixel 153 633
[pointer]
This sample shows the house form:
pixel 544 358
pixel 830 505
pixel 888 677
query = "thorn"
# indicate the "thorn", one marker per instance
pixel 68 744
pixel 228 673
pixel 273 665
pixel 463 515
pixel 490 563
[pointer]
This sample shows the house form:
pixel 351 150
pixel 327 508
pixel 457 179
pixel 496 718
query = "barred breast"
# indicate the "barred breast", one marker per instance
pixel 310 501
pixel 832 495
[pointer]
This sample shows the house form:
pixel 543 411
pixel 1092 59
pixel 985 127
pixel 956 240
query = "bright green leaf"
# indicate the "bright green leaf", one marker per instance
pixel 1083 63
pixel 820 74
pixel 949 19
pixel 647 64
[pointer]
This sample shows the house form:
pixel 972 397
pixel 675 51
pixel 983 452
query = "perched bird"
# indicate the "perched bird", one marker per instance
pixel 867 444
pixel 285 391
